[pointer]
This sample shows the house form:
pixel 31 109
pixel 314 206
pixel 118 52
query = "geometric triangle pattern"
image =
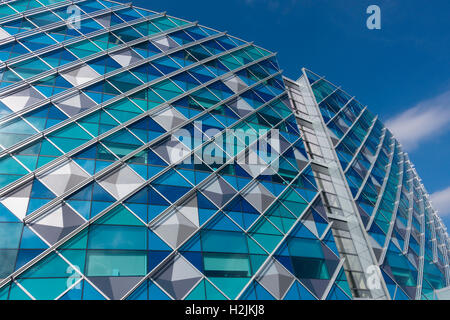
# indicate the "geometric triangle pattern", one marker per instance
pixel 145 157
pixel 57 223
pixel 178 278
pixel 276 279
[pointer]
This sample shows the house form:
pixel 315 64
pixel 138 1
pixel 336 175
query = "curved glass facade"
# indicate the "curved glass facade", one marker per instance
pixel 145 157
pixel 408 238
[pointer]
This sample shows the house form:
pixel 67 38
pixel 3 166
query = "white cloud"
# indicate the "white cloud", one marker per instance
pixel 441 202
pixel 424 121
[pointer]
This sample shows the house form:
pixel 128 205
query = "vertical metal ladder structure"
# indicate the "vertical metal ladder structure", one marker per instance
pixel 363 273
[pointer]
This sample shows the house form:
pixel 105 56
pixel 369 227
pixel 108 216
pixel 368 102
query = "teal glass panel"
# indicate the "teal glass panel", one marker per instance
pixel 101 263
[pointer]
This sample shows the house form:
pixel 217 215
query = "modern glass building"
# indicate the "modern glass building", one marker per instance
pixel 145 157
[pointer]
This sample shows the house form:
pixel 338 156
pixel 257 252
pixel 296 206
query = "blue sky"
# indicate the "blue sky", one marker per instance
pixel 402 72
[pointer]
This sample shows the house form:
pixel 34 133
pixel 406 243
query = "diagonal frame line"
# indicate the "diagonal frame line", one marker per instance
pixel 123 160
pixel 58 161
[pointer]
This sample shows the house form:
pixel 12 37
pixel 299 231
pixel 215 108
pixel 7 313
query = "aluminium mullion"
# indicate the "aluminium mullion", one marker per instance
pixel 137 118
pixel 76 282
pixel 408 232
pixel 270 255
pixel 410 215
pixel 200 147
pixel 282 241
pixel 359 233
pixel 387 183
pixel 250 184
pixel 201 278
pixel 214 172
pixel 394 214
pixel 15 36
pixel 372 165
pixel 327 229
pixel 97 217
pixel 337 87
pixel 334 278
pixel 309 153
pixel 319 77
pixel 38 30
pixel 17 283
pixel 58 44
pixel 74 90
pixel 329 95
pixel 123 160
pixel 207 180
pixel 443 242
pixel 81 274
pixel 73 40
pixel 431 223
pixel 421 267
pixel 63 44
pixel 57 24
pixel 341 110
pixel 383 187
pixel 442 249
pixel 363 143
pixel 65 157
pixel 315 82
pixel 354 123
pixel 82 37
pixel 33 11
pixel 70 91
pixel 447 259
pixel 323 197
pixel 232 159
pixel 156 269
